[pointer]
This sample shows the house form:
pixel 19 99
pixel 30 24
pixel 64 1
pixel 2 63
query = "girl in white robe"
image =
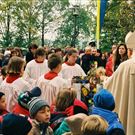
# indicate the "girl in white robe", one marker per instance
pixel 14 83
pixel 71 69
pixel 51 83
pixel 37 67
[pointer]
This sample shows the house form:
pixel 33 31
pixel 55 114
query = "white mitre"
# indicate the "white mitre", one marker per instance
pixel 130 40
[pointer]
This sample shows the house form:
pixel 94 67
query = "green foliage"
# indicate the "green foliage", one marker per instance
pixel 66 30
pixel 22 21
pixel 25 21
pixel 119 20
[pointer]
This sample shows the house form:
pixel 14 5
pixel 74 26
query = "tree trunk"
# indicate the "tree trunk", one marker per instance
pixel 43 27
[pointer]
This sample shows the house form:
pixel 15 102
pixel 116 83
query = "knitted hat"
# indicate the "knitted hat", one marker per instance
pixel 15 125
pixel 26 96
pixel 1 94
pixel 104 99
pixel 35 105
pixel 35 92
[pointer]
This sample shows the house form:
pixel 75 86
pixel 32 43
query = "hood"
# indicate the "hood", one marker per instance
pixel 109 116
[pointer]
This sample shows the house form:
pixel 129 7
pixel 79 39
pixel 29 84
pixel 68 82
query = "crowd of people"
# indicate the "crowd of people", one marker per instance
pixel 66 92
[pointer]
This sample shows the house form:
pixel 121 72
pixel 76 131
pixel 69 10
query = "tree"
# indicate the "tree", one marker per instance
pixel 26 21
pixel 6 7
pixel 83 22
pixel 47 16
pixel 119 20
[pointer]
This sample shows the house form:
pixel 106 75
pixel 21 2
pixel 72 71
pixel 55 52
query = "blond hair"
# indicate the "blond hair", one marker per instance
pixel 94 125
pixel 100 71
pixel 65 98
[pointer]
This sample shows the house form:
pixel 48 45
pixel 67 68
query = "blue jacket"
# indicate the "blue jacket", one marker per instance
pixel 110 117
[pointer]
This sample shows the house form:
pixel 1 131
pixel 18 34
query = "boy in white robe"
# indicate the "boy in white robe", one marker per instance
pixel 37 67
pixel 51 83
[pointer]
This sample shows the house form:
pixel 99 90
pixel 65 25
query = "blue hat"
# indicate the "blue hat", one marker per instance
pixel 15 125
pixel 35 92
pixel 104 99
pixel 26 96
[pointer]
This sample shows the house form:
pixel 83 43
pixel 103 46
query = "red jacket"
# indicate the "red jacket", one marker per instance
pixel 77 107
pixel 109 66
pixel 20 110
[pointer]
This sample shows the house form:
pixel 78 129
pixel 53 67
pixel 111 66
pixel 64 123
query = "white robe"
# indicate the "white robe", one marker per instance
pixel 34 70
pixel 122 85
pixel 12 90
pixel 68 72
pixel 50 88
pixel 1 80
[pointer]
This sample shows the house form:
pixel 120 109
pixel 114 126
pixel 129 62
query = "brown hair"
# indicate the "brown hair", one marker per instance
pixel 15 65
pixel 70 52
pixel 94 125
pixel 54 60
pixel 19 51
pixel 40 52
pixel 65 98
pixel 117 59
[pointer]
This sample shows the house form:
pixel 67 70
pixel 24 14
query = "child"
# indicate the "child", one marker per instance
pixel 94 125
pixel 66 105
pixel 70 68
pixel 50 83
pixel 74 123
pixel 3 104
pixel 104 104
pixel 40 112
pixel 21 107
pixel 14 83
pixel 37 67
pixel 15 125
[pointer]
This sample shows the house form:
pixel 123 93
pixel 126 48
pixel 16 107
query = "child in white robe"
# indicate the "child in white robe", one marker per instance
pixel 37 67
pixel 70 69
pixel 51 83
pixel 14 83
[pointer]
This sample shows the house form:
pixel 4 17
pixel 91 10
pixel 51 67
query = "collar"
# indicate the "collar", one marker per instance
pixel 12 78
pixel 50 75
pixel 39 61
pixel 69 64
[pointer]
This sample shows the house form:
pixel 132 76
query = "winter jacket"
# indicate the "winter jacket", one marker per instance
pixel 40 128
pixel 20 110
pixel 110 117
pixel 63 128
pixel 109 66
pixel 58 117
